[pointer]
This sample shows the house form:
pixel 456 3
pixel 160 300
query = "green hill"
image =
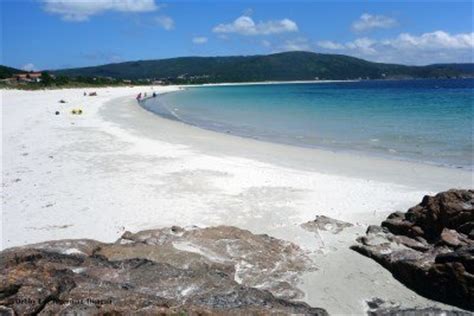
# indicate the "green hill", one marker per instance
pixel 7 72
pixel 277 67
pixel 465 68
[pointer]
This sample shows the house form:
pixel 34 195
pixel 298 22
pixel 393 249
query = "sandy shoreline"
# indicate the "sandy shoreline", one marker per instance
pixel 425 176
pixel 118 167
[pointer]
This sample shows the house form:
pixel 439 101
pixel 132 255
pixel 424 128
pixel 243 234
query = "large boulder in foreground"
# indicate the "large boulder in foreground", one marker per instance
pixel 218 270
pixel 430 248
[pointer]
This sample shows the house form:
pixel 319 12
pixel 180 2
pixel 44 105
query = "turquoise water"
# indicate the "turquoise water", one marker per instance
pixel 423 120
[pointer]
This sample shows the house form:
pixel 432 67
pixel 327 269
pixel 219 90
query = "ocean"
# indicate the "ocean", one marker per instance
pixel 428 121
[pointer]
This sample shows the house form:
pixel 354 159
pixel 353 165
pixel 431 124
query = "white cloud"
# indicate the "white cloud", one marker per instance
pixel 367 22
pixel 295 44
pixel 199 40
pixel 245 25
pixel 165 22
pixel 434 40
pixel 427 48
pixel 81 10
pixel 266 43
pixel 364 45
pixel 330 45
pixel 29 67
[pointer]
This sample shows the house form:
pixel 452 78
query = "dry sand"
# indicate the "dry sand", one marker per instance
pixel 118 167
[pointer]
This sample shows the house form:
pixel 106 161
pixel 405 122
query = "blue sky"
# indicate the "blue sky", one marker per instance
pixel 49 34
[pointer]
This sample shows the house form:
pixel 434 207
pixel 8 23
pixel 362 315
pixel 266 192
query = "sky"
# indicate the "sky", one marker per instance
pixel 52 34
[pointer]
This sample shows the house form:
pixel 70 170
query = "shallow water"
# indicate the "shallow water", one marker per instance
pixel 423 120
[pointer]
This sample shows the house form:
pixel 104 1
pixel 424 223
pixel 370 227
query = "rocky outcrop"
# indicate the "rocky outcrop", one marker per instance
pixel 430 248
pixel 218 270
pixel 324 223
pixel 447 211
pixel 379 307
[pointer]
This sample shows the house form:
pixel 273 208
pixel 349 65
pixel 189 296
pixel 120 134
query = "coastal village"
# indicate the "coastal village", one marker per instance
pixel 38 79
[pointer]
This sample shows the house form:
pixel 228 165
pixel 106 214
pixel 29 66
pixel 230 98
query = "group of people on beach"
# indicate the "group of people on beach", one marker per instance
pixel 140 96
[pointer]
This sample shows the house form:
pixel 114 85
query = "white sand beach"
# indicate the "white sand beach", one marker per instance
pixel 118 167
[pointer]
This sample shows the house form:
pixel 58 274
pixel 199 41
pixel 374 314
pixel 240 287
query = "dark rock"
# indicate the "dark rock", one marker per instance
pixel 427 247
pixel 375 303
pixel 218 270
pixel 464 255
pixel 415 244
pixel 177 229
pixel 466 228
pixel 6 311
pixel 325 223
pixel 452 238
pixel 374 229
pixel 453 209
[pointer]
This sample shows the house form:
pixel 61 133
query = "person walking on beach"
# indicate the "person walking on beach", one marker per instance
pixel 139 96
